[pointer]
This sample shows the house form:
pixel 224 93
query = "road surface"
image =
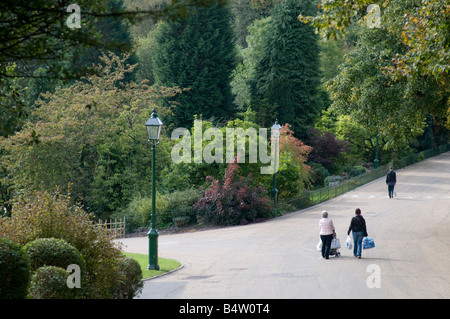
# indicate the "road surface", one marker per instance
pixel 278 259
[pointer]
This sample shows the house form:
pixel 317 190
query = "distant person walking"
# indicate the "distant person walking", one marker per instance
pixel 391 180
pixel 326 229
pixel 359 230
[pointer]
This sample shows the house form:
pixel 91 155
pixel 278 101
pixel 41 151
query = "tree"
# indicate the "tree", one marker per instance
pixel 243 15
pixel 249 57
pixel 111 30
pixel 287 74
pixel 90 136
pixel 293 173
pixel 81 59
pixel 372 98
pixel 325 149
pixel 421 26
pixel 36 33
pixel 13 109
pixel 197 53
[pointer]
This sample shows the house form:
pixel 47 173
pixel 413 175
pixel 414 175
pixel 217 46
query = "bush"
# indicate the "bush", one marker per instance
pixel 50 282
pixel 45 215
pixel 14 270
pixel 318 174
pixel 139 210
pixel 234 201
pixel 181 206
pixel 168 207
pixel 333 180
pixel 357 170
pixel 53 252
pixel 130 278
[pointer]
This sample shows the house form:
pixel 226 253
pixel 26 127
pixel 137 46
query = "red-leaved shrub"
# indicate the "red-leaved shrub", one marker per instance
pixel 233 201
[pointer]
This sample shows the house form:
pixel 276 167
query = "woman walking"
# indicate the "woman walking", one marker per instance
pixel 326 229
pixel 359 230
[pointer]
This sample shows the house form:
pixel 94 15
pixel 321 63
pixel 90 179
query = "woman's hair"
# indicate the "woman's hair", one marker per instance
pixel 358 211
pixel 324 214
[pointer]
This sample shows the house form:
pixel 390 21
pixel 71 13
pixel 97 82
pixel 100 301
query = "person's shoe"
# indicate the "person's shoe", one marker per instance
pixel 359 257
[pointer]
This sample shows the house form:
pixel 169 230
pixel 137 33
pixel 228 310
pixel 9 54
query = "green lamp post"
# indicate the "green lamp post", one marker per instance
pixel 275 130
pixel 153 125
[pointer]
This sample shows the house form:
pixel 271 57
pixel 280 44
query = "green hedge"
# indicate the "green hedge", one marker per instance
pixel 130 278
pixel 14 270
pixel 53 252
pixel 50 282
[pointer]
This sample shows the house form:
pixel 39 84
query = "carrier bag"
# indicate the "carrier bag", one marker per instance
pixel 348 243
pixel 368 243
pixel 335 243
pixel 319 245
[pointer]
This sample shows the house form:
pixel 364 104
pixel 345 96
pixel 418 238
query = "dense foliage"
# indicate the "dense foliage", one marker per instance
pixel 15 271
pixel 286 78
pixel 421 32
pixel 84 136
pixel 73 103
pixel 232 201
pixel 197 53
pixel 43 215
pixel 397 108
pixel 54 252
pixel 50 282
pixel 336 101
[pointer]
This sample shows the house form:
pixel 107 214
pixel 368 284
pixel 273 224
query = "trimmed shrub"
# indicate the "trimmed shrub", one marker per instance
pixel 50 282
pixel 130 278
pixel 14 270
pixel 53 252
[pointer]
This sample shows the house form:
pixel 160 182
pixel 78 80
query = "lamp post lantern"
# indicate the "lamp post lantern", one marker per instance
pixel 153 125
pixel 275 138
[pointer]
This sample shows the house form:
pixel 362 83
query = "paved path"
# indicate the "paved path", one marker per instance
pixel 278 258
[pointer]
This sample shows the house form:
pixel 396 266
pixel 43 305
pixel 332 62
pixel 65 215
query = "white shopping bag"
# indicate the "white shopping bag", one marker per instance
pixel 335 243
pixel 319 245
pixel 348 243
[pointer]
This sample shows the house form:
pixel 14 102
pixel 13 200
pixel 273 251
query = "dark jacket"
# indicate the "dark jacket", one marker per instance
pixel 391 177
pixel 358 223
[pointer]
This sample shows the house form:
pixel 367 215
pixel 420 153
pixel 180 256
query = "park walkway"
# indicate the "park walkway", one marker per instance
pixel 278 259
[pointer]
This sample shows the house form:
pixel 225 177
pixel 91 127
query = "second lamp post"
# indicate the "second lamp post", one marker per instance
pixel 153 125
pixel 275 145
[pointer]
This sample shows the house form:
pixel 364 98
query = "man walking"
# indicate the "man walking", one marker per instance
pixel 391 180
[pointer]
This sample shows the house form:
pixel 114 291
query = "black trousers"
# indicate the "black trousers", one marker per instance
pixel 326 245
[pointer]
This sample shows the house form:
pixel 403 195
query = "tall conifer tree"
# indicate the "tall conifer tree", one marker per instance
pixel 287 76
pixel 197 53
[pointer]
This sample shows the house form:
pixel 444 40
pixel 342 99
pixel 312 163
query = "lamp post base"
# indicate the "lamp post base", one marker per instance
pixel 375 163
pixel 153 250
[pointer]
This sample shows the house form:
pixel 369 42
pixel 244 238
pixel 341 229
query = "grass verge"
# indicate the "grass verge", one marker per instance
pixel 165 265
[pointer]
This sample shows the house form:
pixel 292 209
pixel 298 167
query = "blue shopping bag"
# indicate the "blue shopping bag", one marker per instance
pixel 368 243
